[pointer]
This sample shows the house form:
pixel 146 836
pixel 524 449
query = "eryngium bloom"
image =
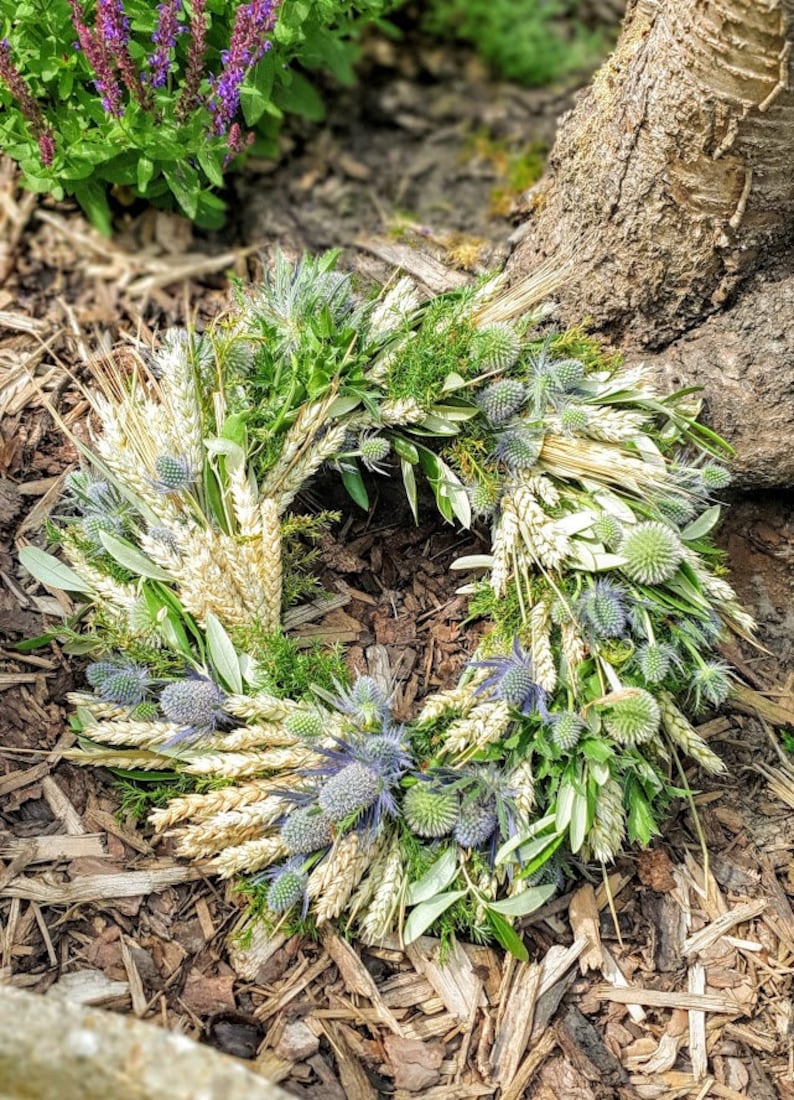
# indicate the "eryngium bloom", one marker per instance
pixel 655 660
pixel 501 400
pixel 604 609
pixel 117 682
pixel 566 730
pixel 174 473
pixel 364 702
pixel 633 717
pixel 497 347
pixel 511 680
pixel 476 824
pixel 287 886
pixel 196 704
pixel 709 685
pixel 307 829
pixel 519 448
pixel 430 810
pixel 653 552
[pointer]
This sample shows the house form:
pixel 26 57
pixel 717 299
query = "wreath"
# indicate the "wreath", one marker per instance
pixel 562 740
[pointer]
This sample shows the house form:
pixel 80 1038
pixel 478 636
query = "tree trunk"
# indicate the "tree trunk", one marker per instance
pixel 673 177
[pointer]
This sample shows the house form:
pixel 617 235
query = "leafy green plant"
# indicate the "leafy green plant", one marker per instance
pixel 523 40
pixel 158 101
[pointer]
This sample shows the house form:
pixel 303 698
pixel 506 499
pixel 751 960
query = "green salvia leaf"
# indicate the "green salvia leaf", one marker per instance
pixel 702 525
pixel 506 935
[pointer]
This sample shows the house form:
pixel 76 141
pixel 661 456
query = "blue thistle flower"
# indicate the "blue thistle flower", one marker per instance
pixel 475 825
pixel 306 829
pixel 287 885
pixel 512 681
pixel 501 400
pixel 365 702
pixel 487 810
pixel 119 682
pixel 604 609
pixel 519 448
pixel 361 776
pixel 196 704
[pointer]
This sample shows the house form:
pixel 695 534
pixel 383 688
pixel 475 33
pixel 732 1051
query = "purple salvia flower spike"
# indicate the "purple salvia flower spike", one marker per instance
pixel 113 32
pixel 165 35
pixel 15 82
pixel 97 56
pixel 247 46
pixel 189 97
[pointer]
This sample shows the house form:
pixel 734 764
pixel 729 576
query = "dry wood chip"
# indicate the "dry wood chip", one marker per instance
pixel 261 945
pixel 61 807
pixel 657 998
pixel 87 987
pixel 109 823
pixel 426 269
pixel 696 983
pixel 709 935
pixel 356 977
pixel 52 849
pixel 139 1000
pixel 584 1047
pixel 529 1067
pixel 204 995
pixel 14 781
pixel 455 982
pixel 351 1073
pixel 583 915
pixel 415 1064
pixel 127 884
pixel 517 1012
pixel 615 976
pixel 296 1042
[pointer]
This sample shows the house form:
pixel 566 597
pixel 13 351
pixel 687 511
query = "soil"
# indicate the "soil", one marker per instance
pixel 411 166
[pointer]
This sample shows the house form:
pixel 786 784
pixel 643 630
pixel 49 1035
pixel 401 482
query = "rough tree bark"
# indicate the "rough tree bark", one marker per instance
pixel 670 185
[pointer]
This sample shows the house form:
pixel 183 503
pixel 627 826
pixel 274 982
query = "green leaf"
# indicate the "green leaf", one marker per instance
pixel 409 481
pixel 301 98
pixel 421 918
pixel 702 525
pixel 132 558
pixel 405 449
pixel 521 905
pixel 435 879
pixel 145 173
pixel 540 826
pixel 185 186
pixel 579 821
pixel 51 572
pixel 354 483
pixel 505 934
pixel 223 654
pixel 93 201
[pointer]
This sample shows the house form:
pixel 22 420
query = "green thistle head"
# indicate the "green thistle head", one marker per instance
pixel 710 686
pixel 353 789
pixel 174 473
pixel 95 525
pixel 286 890
pixel 519 448
pixel 373 450
pixel 653 552
pixel 574 418
pixel 604 609
pixel 633 718
pixel 430 811
pixel 125 684
pixel 484 497
pixel 608 529
pixel 654 661
pixel 304 723
pixel 501 400
pixel 676 509
pixel 566 373
pixel 497 347
pixel 566 730
pixel 715 477
pixel 306 829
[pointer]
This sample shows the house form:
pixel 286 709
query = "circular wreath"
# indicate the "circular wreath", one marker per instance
pixel 562 739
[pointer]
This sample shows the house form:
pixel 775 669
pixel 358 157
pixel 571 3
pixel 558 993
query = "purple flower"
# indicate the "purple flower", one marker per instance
pixel 165 35
pixel 189 96
pixel 15 83
pixel 98 57
pixel 113 31
pixel 47 148
pixel 247 45
pixel 511 680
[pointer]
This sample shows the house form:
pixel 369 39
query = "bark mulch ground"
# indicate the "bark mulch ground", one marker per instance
pixel 671 979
